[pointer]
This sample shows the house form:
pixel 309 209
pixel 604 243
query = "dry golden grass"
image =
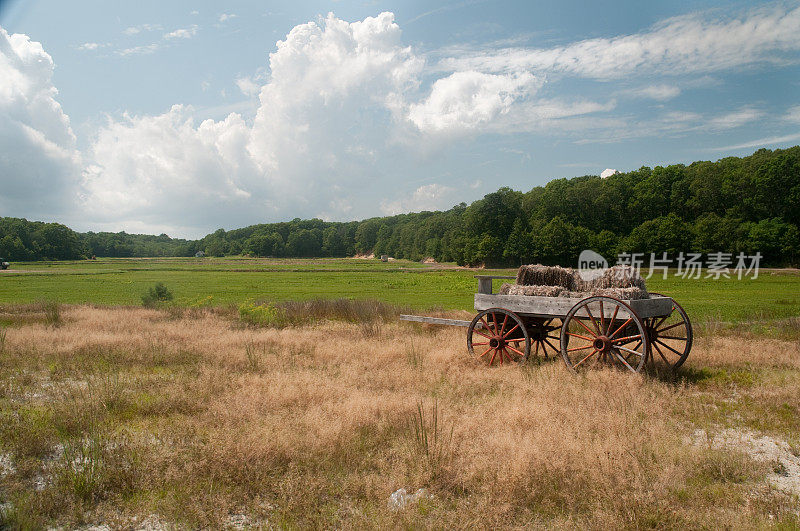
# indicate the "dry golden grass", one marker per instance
pixel 117 414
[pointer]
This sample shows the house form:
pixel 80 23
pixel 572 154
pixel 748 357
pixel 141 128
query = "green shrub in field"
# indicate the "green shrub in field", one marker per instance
pixel 262 314
pixel 155 295
pixel 52 312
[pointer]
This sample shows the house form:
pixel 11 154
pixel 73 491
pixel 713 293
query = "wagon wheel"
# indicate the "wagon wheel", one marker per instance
pixel 594 334
pixel 544 337
pixel 670 337
pixel 499 335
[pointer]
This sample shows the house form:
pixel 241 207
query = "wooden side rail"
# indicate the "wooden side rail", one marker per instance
pixel 437 320
pixel 485 282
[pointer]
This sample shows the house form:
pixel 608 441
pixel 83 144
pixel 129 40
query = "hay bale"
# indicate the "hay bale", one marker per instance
pixel 531 291
pixel 504 289
pixel 540 275
pixel 618 276
pixel 630 294
pixel 627 294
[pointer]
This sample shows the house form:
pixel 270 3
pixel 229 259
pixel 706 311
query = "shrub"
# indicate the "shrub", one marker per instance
pixel 262 314
pixel 156 295
pixel 52 313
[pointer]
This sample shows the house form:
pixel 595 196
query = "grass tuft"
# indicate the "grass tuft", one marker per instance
pixel 432 443
pixel 254 357
pixel 52 313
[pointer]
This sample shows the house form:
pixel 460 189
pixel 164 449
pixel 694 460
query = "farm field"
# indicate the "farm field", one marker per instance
pixel 761 304
pixel 152 418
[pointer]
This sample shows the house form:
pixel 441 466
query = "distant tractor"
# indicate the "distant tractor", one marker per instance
pixel 4 265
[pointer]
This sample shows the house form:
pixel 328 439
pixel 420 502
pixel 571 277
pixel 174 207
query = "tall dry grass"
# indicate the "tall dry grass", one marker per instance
pixel 125 412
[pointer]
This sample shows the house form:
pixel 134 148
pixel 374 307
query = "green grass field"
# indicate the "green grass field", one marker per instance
pixel 773 296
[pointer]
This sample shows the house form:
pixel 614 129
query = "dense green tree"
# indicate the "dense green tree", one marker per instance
pixel 264 244
pixel 304 243
pixel 665 234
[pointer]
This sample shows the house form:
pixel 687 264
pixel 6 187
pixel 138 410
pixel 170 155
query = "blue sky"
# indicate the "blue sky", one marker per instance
pixel 182 117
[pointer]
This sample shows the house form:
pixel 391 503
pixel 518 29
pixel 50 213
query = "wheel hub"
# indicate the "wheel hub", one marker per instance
pixel 602 344
pixel 495 343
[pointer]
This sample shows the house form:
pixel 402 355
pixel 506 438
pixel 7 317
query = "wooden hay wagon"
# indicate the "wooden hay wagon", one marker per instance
pixel 587 332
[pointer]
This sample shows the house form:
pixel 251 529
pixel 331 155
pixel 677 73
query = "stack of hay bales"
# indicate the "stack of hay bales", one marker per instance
pixel 620 281
pixel 540 275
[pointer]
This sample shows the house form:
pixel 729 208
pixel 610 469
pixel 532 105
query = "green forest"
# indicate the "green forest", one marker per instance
pixel 749 204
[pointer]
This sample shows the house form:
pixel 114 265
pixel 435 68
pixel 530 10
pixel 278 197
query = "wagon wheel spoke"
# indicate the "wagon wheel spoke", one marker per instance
pixel 515 350
pixel 620 358
pixel 579 348
pixel 482 334
pixel 503 328
pixel 624 340
pixel 494 324
pixel 602 319
pixel 638 344
pixel 486 325
pixel 551 346
pixel 509 332
pixel 669 347
pixel 631 351
pixel 672 337
pixel 670 327
pixel 484 353
pixel 540 344
pixel 613 318
pixel 580 322
pixel 662 320
pixel 547 351
pixel 592 353
pixel 661 354
pixel 481 344
pixel 589 312
pixel 580 336
pixel 623 325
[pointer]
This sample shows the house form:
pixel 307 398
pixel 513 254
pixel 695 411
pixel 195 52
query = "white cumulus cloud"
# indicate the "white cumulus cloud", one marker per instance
pixel 468 100
pixel 182 33
pixel 39 164
pixel 334 94
pixel 167 171
pixel 608 172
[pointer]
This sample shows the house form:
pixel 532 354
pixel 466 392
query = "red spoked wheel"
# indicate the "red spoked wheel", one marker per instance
pixel 603 331
pixel 497 335
pixel 670 337
pixel 544 336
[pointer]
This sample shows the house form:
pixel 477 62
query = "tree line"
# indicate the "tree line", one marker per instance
pixel 749 204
